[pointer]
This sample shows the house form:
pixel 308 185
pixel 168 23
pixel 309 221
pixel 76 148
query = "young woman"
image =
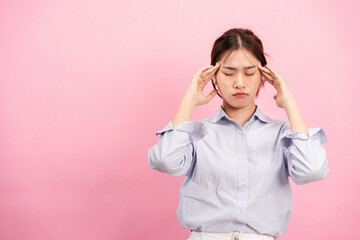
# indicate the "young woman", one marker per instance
pixel 238 162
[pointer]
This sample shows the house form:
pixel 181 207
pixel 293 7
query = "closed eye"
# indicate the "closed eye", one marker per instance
pixel 232 74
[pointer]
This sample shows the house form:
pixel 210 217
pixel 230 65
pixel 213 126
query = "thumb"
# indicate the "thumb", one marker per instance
pixel 211 95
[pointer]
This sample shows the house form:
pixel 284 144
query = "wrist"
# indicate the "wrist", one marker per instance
pixel 189 102
pixel 290 104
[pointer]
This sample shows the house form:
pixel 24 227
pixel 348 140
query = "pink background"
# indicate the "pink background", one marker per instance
pixel 84 86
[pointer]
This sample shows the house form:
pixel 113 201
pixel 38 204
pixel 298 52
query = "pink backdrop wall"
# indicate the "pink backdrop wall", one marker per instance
pixel 84 86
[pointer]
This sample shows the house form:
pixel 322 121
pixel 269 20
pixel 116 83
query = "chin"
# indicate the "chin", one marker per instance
pixel 240 103
pixel 234 104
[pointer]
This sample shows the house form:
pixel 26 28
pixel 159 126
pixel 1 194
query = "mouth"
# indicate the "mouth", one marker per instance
pixel 240 95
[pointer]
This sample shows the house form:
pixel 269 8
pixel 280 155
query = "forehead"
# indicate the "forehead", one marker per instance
pixel 239 58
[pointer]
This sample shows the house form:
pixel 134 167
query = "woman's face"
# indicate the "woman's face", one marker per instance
pixel 238 73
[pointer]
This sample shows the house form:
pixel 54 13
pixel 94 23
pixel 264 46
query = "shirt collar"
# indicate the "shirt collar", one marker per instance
pixel 220 113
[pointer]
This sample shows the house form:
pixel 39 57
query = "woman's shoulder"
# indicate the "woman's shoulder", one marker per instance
pixel 280 125
pixel 280 122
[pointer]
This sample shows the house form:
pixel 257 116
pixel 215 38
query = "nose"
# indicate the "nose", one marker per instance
pixel 239 81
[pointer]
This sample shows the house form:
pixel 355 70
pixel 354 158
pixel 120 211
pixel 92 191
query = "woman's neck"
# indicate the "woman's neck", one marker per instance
pixel 241 115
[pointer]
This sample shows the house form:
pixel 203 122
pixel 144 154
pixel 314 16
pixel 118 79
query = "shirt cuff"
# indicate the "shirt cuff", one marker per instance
pixel 168 127
pixel 196 129
pixel 317 135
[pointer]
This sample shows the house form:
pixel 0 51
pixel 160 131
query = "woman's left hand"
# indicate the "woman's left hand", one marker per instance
pixel 283 97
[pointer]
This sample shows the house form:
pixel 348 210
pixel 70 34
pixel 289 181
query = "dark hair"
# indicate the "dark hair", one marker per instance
pixel 234 39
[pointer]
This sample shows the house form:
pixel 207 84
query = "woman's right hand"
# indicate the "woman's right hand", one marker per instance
pixel 195 92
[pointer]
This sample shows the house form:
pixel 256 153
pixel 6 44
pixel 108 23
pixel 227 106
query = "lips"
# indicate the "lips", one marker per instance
pixel 240 94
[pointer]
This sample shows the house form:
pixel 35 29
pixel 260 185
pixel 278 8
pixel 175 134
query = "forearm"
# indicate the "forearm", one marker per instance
pixel 173 153
pixel 185 111
pixel 297 122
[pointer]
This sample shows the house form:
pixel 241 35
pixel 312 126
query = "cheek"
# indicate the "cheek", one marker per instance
pixel 224 84
pixel 256 79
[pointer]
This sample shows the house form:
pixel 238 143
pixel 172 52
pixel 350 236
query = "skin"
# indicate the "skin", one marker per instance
pixel 237 79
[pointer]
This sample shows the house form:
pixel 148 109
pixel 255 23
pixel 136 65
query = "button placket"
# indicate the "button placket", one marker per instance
pixel 243 165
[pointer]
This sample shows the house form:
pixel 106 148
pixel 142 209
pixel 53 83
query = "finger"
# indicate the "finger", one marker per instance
pixel 267 75
pixel 208 73
pixel 276 74
pixel 205 81
pixel 205 69
pixel 211 95
pixel 211 66
pixel 214 68
pixel 269 81
pixel 265 70
pixel 200 73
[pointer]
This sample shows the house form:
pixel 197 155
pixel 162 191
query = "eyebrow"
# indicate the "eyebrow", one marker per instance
pixel 232 68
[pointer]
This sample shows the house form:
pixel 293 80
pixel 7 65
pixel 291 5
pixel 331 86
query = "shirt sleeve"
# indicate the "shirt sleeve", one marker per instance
pixel 174 153
pixel 304 156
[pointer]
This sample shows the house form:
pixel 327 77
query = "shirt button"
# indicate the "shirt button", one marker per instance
pixel 239 131
pixel 242 182
pixel 241 156
pixel 202 127
pixel 240 209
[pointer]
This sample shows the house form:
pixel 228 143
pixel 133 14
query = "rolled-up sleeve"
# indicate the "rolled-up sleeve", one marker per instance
pixel 174 152
pixel 305 157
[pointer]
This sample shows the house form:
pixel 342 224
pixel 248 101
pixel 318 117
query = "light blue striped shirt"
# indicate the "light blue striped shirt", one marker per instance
pixel 237 177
